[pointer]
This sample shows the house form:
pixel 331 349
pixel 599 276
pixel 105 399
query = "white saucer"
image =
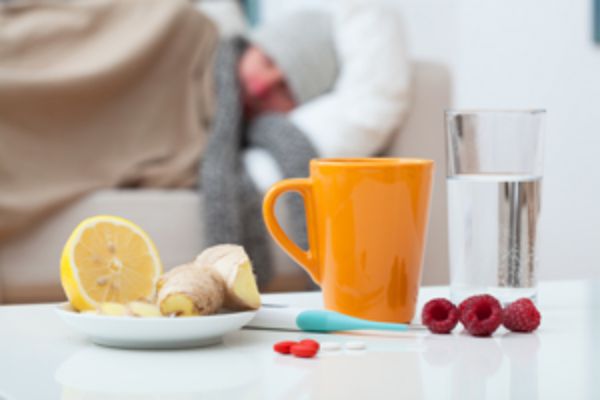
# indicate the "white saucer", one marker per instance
pixel 154 333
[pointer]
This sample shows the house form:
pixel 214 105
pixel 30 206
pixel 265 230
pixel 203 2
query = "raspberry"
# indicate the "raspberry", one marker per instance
pixel 440 316
pixel 462 307
pixel 521 316
pixel 481 315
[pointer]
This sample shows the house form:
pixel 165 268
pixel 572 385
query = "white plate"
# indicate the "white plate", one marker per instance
pixel 154 333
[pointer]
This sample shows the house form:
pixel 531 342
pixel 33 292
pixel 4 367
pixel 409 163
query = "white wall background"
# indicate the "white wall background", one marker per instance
pixel 526 54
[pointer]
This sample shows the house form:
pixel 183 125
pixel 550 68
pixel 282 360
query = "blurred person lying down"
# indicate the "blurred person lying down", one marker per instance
pixel 107 93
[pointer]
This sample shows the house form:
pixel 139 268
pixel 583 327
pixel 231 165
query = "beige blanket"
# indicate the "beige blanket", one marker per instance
pixel 99 93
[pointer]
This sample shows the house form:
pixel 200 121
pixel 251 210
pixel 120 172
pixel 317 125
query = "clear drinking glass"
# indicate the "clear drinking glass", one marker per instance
pixel 494 162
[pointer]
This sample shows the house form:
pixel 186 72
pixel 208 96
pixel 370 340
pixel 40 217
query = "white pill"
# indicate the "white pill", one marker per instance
pixel 355 345
pixel 330 346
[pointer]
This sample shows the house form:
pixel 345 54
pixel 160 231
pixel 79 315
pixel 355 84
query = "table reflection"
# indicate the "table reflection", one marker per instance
pixel 348 374
pixel 104 373
pixel 474 362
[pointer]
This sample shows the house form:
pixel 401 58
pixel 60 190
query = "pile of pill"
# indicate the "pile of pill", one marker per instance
pixel 309 348
pixel 306 348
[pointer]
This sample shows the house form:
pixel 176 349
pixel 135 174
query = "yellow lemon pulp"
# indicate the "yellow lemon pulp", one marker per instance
pixel 108 259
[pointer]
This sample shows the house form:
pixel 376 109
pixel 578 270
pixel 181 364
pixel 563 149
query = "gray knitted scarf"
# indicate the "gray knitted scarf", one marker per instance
pixel 232 204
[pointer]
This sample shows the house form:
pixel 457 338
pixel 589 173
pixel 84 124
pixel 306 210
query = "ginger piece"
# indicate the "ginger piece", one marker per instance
pixel 187 291
pixel 112 309
pixel 143 309
pixel 232 264
pixel 134 309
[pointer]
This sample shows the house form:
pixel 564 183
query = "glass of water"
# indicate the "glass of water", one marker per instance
pixel 494 163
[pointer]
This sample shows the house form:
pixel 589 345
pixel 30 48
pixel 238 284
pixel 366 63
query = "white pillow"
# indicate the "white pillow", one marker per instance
pixel 226 14
pixel 371 96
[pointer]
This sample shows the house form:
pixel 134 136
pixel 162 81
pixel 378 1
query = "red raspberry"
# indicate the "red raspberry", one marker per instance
pixel 440 316
pixel 481 315
pixel 462 307
pixel 521 316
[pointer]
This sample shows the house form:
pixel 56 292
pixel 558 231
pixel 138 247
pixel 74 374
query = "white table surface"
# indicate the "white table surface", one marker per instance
pixel 41 358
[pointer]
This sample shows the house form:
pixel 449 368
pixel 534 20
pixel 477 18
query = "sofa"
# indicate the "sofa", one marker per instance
pixel 29 263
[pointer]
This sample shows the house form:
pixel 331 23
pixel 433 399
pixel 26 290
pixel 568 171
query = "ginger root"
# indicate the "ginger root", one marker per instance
pixel 143 309
pixel 131 309
pixel 233 265
pixel 221 276
pixel 187 290
pixel 112 309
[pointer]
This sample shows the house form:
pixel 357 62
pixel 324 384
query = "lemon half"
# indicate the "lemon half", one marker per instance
pixel 109 258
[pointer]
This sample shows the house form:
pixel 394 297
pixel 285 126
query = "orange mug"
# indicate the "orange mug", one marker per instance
pixel 366 225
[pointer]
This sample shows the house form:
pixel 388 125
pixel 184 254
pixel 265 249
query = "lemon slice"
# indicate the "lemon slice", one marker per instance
pixel 108 259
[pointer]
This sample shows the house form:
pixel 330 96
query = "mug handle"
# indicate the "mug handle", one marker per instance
pixel 307 259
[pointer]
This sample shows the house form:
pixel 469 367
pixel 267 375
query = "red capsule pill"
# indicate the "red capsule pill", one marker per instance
pixel 284 347
pixel 310 343
pixel 304 351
